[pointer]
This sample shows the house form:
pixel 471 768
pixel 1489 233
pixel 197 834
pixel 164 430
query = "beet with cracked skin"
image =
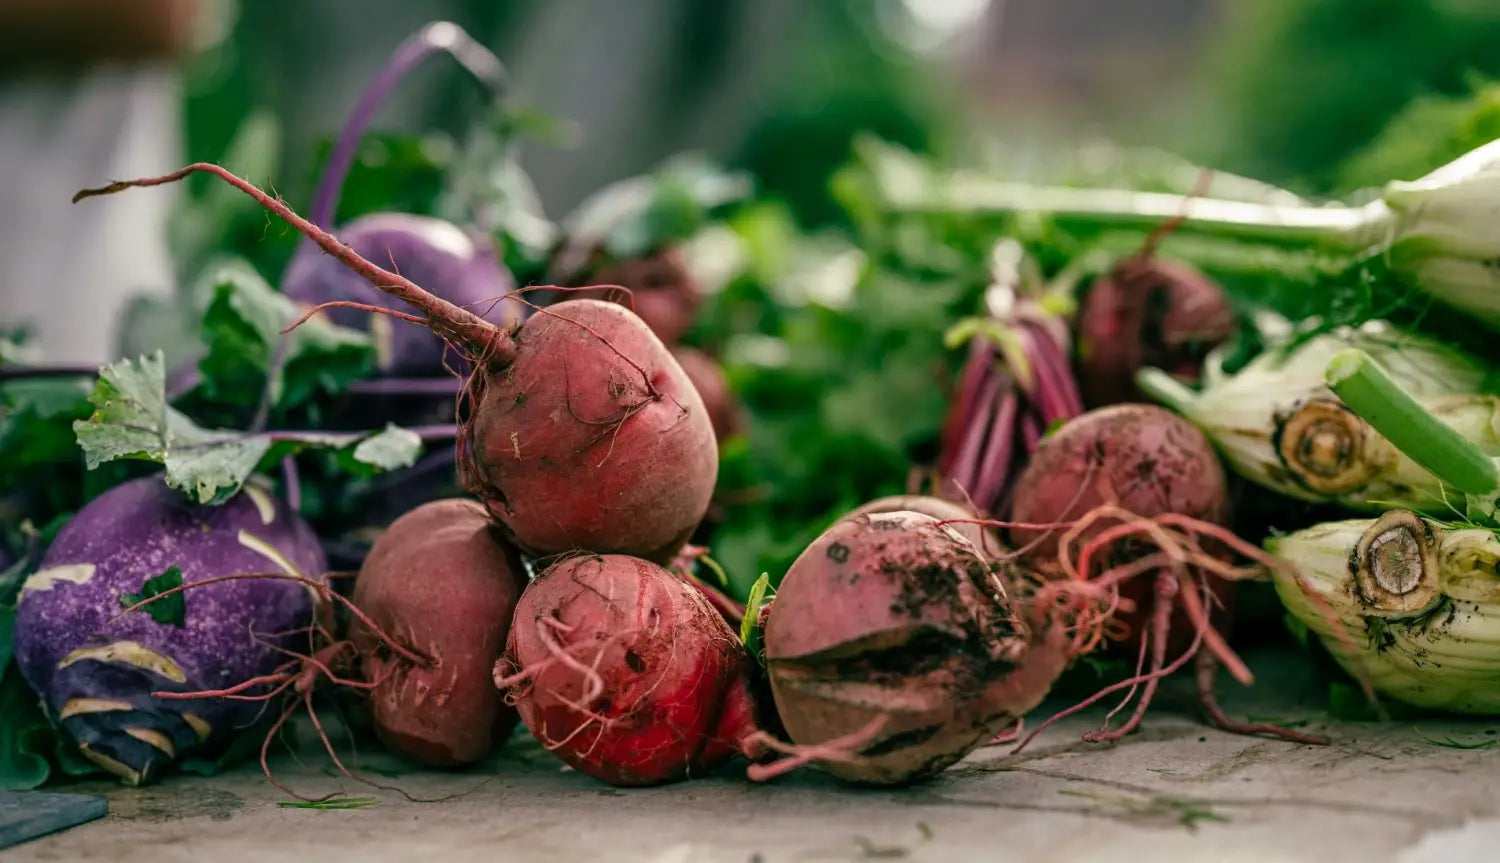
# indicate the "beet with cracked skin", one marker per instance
pixel 894 618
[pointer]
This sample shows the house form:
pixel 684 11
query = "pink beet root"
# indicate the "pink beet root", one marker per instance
pixel 1134 501
pixel 444 579
pixel 626 672
pixel 582 431
pixel 894 650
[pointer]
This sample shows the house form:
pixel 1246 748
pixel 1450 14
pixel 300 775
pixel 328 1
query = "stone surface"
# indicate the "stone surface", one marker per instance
pixel 1176 791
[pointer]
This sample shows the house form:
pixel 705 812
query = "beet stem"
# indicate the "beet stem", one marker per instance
pixel 994 468
pixel 293 483
pixel 966 464
pixel 437 36
pixel 489 343
pixel 976 368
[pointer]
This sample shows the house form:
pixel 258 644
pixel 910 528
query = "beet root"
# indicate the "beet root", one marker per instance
pixel 962 518
pixel 626 672
pixel 583 432
pixel 1147 312
pixel 1134 501
pixel 1141 458
pixel 593 439
pixel 445 582
pixel 893 635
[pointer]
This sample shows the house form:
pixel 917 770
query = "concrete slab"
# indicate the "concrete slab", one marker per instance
pixel 1176 791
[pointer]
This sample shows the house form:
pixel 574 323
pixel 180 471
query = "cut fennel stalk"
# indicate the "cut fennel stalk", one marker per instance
pixel 1278 425
pixel 1442 230
pixel 1410 604
pixel 1471 476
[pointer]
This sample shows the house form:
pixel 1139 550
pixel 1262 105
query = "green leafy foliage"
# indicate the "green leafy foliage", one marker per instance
pixel 1299 87
pixel 32 410
pixel 639 215
pixel 132 420
pixel 821 338
pixel 241 328
pixel 1431 131
pixel 30 747
pixel 488 187
pixel 27 739
pixel 750 625
pixel 170 610
pixel 401 173
pixel 215 220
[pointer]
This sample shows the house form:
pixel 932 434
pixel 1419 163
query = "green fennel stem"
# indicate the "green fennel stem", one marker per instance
pixel 1346 229
pixel 1364 386
pixel 1166 390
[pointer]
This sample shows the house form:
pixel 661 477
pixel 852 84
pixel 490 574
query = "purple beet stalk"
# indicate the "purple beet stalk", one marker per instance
pixel 1000 415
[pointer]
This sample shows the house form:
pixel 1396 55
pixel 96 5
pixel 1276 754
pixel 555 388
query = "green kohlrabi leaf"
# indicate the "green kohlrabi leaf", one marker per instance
pixel 170 610
pixel 132 420
pixel 241 329
pixel 32 412
pixel 390 448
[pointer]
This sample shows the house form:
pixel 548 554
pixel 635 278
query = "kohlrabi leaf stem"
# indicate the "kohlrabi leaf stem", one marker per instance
pixel 435 37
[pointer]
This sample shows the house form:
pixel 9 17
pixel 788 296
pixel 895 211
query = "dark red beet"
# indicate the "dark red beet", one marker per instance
pixel 1147 313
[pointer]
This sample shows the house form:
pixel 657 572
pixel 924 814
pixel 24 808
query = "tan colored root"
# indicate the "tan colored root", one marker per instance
pixel 460 326
pixel 842 750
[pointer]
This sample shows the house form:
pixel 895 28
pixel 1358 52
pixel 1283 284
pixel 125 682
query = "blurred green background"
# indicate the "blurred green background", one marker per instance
pixel 1285 90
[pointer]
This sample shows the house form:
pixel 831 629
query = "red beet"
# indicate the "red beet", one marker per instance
pixel 442 577
pixel 1147 312
pixel 1119 466
pixel 1141 458
pixel 626 672
pixel 583 432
